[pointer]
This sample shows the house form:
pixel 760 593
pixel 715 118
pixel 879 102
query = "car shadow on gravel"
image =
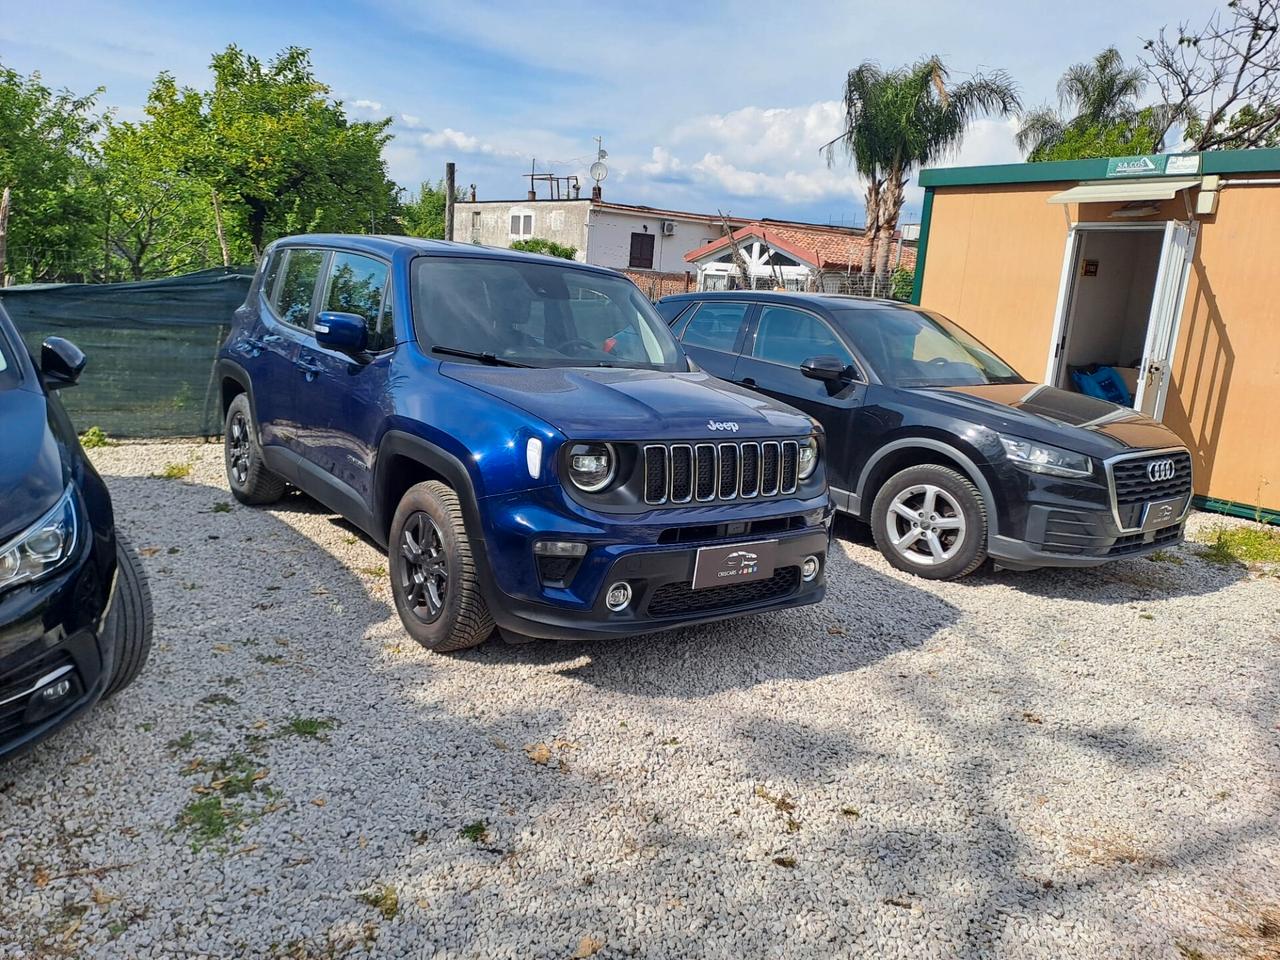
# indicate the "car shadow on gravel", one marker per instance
pixel 1174 572
pixel 865 617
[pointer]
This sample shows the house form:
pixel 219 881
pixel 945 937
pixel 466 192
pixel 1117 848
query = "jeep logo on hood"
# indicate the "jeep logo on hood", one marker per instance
pixel 722 425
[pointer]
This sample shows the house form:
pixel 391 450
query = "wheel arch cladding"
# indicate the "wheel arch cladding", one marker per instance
pixel 405 460
pixel 917 451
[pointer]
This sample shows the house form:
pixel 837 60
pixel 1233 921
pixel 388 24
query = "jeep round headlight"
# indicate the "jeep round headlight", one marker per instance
pixel 591 466
pixel 808 459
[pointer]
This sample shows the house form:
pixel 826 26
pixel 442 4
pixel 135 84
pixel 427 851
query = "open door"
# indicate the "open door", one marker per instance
pixel 1156 368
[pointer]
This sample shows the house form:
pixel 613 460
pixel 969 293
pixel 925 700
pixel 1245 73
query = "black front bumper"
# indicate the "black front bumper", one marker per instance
pixel 52 631
pixel 662 594
pixel 1058 537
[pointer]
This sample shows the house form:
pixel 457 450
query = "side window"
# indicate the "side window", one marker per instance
pixel 791 337
pixel 356 285
pixel 715 325
pixel 297 288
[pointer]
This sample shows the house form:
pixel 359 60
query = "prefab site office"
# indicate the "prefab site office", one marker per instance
pixel 1165 267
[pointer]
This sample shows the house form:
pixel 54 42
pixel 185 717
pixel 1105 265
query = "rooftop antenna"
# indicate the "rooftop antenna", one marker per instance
pixel 598 170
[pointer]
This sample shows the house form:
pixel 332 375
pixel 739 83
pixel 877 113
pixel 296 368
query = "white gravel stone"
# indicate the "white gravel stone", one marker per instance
pixel 1047 764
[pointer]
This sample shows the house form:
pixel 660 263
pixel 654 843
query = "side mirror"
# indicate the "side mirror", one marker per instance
pixel 827 368
pixel 344 332
pixel 61 363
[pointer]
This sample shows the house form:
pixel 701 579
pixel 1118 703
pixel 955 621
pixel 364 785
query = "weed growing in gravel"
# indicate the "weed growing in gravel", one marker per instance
pixel 94 438
pixel 1164 556
pixel 382 898
pixel 788 862
pixel 313 728
pixel 215 814
pixel 183 743
pixel 174 471
pixel 219 700
pixel 271 659
pixel 222 506
pixel 377 572
pixel 476 832
pixel 1242 545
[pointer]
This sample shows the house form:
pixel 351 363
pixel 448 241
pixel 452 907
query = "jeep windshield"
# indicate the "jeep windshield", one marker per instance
pixel 528 313
pixel 912 348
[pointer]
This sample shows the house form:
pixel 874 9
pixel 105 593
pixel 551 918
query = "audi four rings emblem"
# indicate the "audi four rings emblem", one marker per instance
pixel 1158 470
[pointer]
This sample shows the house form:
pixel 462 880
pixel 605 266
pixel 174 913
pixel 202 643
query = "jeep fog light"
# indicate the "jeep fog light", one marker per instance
pixel 618 597
pixel 809 568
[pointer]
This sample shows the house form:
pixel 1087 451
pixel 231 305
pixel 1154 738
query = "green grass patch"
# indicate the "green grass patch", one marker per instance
pixel 174 471
pixel 270 659
pixel 476 832
pixel 222 506
pixel 1164 556
pixel 1241 545
pixel 209 819
pixel 382 898
pixel 94 438
pixel 313 728
pixel 378 571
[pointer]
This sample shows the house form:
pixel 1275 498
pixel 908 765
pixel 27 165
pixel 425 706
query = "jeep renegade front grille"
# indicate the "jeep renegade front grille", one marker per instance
pixel 702 472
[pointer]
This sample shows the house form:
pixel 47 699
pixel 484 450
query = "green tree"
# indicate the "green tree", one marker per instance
pixel 159 221
pixel 898 120
pixel 1097 115
pixel 47 160
pixel 278 152
pixel 423 213
pixel 549 247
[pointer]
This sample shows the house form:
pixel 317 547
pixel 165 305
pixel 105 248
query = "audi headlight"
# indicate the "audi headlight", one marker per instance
pixel 1042 458
pixel 591 466
pixel 42 547
pixel 808 459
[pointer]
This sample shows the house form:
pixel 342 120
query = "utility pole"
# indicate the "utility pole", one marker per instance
pixel 449 194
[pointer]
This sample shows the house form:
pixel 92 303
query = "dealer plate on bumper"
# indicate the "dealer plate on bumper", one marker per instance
pixel 1162 513
pixel 736 563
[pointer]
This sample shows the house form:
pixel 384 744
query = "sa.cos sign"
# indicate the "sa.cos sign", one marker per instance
pixel 1154 165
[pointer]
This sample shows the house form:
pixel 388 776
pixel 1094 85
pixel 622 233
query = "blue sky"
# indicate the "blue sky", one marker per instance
pixel 701 106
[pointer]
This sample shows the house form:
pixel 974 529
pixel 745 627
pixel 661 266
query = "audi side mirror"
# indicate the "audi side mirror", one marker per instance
pixel 61 363
pixel 344 332
pixel 826 368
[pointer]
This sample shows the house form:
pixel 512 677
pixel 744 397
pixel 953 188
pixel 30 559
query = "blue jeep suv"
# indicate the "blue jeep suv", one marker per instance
pixel 525 437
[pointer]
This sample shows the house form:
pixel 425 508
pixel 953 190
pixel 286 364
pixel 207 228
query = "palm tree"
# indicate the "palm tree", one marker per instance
pixel 898 120
pixel 1101 93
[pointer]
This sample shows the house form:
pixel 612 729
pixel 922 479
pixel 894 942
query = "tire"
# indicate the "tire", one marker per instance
pixel 250 480
pixel 931 521
pixel 433 573
pixel 130 622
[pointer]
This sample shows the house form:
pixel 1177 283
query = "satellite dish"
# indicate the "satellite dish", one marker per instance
pixel 598 171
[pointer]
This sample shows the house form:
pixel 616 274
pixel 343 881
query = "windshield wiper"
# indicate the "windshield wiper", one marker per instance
pixel 490 358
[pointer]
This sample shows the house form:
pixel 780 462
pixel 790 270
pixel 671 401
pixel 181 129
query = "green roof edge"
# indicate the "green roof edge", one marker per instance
pixel 1212 162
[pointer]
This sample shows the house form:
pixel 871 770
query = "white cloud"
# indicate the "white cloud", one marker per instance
pixel 450 139
pixel 366 106
pixel 409 120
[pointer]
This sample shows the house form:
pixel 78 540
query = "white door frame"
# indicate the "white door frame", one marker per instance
pixel 1165 318
pixel 1067 285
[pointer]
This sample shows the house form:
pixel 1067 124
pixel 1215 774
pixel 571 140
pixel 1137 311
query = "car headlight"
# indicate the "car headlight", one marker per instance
pixel 42 547
pixel 808 459
pixel 1042 458
pixel 591 466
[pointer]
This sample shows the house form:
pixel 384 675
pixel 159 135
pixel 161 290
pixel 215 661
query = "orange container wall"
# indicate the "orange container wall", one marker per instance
pixel 994 263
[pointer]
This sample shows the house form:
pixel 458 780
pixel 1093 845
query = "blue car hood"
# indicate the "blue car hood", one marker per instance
pixel 611 403
pixel 31 474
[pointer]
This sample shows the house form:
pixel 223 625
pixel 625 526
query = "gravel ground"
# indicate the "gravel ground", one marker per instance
pixel 1053 764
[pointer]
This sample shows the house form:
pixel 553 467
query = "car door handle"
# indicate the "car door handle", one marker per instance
pixel 309 367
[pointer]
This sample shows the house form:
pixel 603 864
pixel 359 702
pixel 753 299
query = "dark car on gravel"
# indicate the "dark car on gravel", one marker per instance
pixel 75 611
pixel 524 435
pixel 942 447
